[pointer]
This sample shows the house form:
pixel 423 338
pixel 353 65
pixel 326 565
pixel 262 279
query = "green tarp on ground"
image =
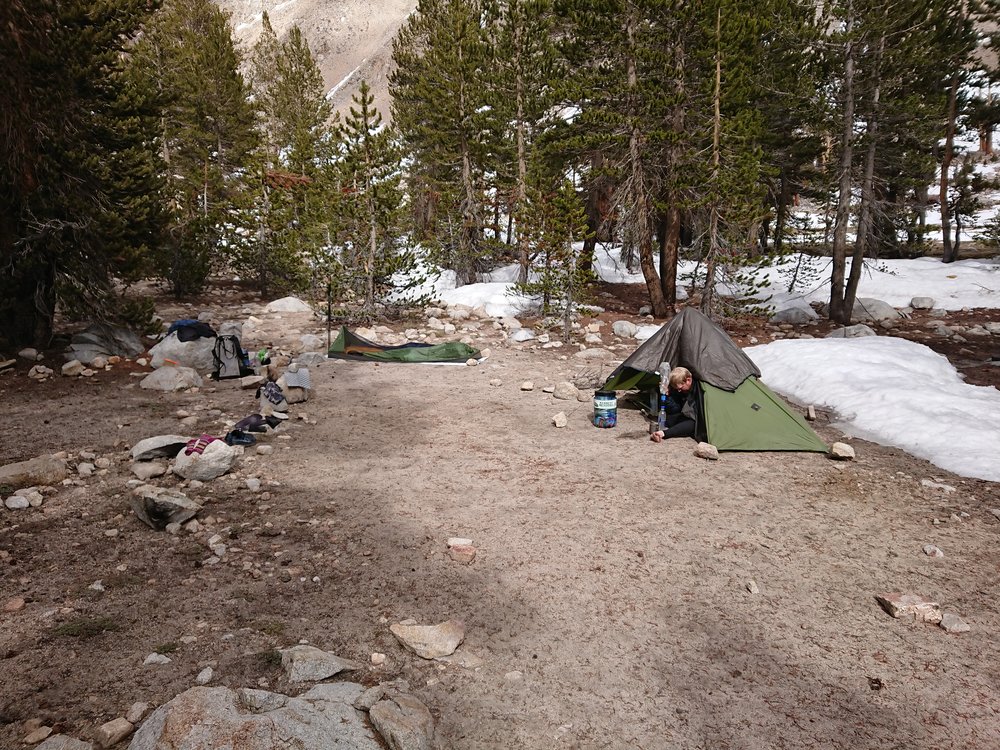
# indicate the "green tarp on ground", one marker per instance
pixel 739 413
pixel 349 345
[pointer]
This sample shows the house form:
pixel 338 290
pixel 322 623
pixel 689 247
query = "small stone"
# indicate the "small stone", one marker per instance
pixel 514 676
pixel 527 385
pixel 137 712
pixel 265 450
pixel 953 623
pixel 378 659
pixel 72 368
pixel 37 735
pixel 113 732
pixel 560 420
pixel 811 413
pixel 455 541
pixel 496 382
pixel 753 588
pixel 430 641
pixel 706 451
pixel 472 362
pixel 85 469
pixel 14 605
pixel 96 586
pixel 565 391
pixel 204 676
pixel 16 502
pixel 933 485
pixel 249 382
pixel 841 452
pixel 932 551
pixel 253 484
pixel 910 605
pixel 462 553
pixel 155 658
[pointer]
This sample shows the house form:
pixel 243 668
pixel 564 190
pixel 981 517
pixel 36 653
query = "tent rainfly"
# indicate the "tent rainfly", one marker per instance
pixel 349 345
pixel 739 412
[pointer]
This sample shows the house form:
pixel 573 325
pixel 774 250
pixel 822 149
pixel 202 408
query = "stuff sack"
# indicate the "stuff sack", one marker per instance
pixel 230 359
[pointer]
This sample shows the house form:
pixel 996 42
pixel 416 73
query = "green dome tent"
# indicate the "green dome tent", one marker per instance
pixel 739 412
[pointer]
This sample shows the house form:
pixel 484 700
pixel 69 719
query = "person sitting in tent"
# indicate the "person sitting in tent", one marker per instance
pixel 678 420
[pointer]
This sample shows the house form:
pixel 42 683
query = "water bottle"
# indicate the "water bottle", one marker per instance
pixel 661 419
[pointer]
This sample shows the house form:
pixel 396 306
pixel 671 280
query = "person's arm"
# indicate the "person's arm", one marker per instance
pixel 674 402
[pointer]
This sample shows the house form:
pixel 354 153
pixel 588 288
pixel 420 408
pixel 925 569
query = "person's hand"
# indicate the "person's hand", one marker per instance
pixel 657 436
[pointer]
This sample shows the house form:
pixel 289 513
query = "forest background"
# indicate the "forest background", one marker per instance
pixel 139 140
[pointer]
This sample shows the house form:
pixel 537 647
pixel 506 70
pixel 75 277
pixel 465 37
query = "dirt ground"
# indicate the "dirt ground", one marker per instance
pixel 609 601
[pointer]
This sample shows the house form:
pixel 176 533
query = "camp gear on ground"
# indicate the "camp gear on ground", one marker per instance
pixel 189 329
pixel 272 398
pixel 349 345
pixel 198 444
pixel 252 423
pixel 239 437
pixel 297 376
pixel 738 412
pixel 605 409
pixel 228 356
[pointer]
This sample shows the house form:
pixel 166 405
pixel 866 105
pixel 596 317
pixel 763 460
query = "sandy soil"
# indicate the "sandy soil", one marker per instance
pixel 608 602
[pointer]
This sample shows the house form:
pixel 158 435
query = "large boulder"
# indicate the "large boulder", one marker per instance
pixel 625 329
pixel 43 470
pixel 213 718
pixel 796 315
pixel 196 354
pixel 867 309
pixel 159 446
pixel 851 332
pixel 404 722
pixel 288 305
pixel 215 460
pixel 104 340
pixel 171 379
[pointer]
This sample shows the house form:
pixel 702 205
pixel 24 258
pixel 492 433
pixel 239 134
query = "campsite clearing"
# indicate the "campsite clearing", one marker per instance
pixel 623 594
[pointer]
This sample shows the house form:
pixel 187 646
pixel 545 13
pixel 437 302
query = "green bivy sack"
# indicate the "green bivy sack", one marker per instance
pixel 349 345
pixel 738 412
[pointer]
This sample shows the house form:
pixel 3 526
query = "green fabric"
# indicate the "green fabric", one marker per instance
pixel 349 345
pixel 753 418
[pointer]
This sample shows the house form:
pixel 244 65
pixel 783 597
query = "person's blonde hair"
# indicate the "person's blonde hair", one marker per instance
pixel 677 376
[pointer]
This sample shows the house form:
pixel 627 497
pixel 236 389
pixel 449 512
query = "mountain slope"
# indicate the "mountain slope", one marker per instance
pixel 351 39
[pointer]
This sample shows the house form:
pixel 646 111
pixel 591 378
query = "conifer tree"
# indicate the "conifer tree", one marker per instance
pixel 439 94
pixel 75 145
pixel 556 227
pixel 291 208
pixel 371 168
pixel 521 92
pixel 207 135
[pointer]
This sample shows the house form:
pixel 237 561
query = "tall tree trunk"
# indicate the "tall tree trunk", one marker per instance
pixel 838 312
pixel 522 175
pixel 639 191
pixel 708 292
pixel 948 253
pixel 866 210
pixel 781 212
pixel 671 239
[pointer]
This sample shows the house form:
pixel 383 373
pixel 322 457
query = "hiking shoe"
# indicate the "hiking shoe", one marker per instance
pixel 252 423
pixel 239 437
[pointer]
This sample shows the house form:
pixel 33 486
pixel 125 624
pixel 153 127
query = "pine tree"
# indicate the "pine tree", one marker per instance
pixel 439 94
pixel 372 198
pixel 556 227
pixel 521 94
pixel 76 144
pixel 207 135
pixel 290 210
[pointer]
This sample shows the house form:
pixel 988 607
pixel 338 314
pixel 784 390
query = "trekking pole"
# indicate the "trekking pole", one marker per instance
pixel 329 314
